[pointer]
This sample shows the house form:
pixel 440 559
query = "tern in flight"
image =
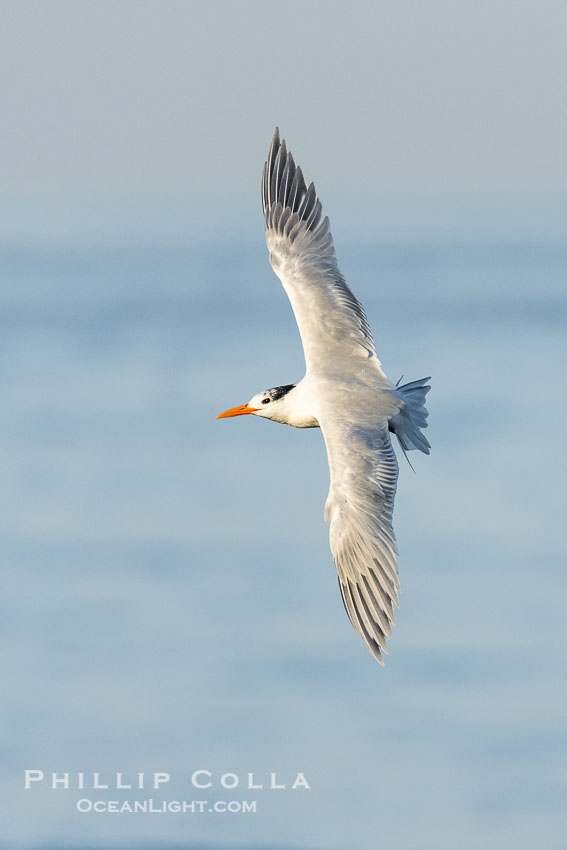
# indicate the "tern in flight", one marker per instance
pixel 344 392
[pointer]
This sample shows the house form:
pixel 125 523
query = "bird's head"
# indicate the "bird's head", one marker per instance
pixel 269 404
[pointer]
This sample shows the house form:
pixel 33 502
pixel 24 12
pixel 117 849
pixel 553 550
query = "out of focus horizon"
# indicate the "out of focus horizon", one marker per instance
pixel 121 99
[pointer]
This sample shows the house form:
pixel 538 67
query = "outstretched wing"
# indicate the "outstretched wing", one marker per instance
pixel 359 507
pixel 331 321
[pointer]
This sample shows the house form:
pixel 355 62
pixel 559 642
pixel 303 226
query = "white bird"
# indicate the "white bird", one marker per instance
pixel 344 392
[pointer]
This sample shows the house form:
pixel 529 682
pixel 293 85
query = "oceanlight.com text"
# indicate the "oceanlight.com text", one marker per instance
pixel 157 807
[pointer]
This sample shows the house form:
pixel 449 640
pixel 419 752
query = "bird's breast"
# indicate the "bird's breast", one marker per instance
pixel 306 421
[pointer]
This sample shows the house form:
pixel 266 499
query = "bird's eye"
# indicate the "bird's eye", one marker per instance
pixel 265 400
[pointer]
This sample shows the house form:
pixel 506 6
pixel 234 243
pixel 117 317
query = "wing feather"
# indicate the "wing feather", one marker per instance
pixel 359 508
pixel 331 320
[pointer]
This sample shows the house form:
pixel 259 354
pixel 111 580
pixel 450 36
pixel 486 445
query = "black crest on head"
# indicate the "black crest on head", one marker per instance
pixel 278 392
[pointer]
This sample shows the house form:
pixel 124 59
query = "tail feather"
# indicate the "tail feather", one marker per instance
pixel 412 416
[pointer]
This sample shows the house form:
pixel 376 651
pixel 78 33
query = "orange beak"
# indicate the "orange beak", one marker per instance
pixel 237 411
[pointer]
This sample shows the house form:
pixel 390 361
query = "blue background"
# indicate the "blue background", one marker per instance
pixel 169 601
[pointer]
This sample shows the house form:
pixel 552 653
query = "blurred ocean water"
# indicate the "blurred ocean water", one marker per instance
pixel 169 601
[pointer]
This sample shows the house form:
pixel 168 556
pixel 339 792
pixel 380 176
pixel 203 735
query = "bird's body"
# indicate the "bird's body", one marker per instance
pixel 346 393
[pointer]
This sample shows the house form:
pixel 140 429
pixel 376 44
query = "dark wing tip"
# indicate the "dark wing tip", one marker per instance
pixel 283 183
pixel 372 632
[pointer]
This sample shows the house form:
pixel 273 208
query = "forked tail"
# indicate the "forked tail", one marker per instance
pixel 412 416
